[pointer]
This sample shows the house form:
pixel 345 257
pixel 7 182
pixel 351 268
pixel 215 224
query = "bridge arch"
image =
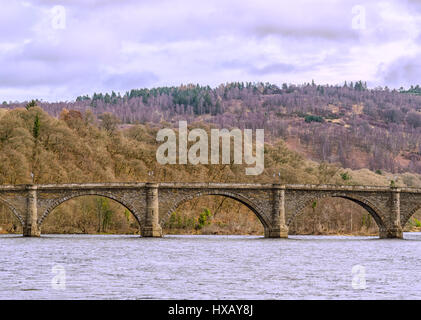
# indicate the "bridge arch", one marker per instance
pixel 235 196
pixel 364 203
pixel 13 210
pixel 405 219
pixel 61 200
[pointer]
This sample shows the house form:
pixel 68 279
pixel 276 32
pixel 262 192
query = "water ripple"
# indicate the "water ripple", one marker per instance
pixel 209 267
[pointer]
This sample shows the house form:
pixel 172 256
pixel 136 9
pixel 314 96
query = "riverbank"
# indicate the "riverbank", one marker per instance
pixel 221 233
pixel 207 230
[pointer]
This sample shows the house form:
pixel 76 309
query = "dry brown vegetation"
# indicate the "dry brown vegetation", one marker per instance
pixel 79 147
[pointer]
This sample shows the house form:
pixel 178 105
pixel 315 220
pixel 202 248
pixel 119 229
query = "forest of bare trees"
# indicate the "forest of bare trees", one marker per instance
pixel 314 134
pixel 378 128
pixel 81 147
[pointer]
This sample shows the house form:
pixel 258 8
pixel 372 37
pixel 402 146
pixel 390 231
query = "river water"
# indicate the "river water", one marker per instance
pixel 209 267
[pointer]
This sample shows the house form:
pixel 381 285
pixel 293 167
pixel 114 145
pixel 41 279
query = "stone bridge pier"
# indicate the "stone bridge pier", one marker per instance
pixel 30 227
pixel 152 227
pixel 275 205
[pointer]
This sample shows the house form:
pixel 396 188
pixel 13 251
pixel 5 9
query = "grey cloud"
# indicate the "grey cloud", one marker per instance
pixel 71 48
pixel 36 73
pixel 415 4
pixel 273 68
pixel 404 71
pixel 16 20
pixel 251 68
pixel 90 4
pixel 322 20
pixel 332 23
pixel 326 33
pixel 239 38
pixel 130 80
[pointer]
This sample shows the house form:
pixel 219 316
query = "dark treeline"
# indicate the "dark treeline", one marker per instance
pixel 378 128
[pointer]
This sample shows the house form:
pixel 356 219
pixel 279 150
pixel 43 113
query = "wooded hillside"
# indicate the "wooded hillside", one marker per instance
pixel 378 129
pixel 81 147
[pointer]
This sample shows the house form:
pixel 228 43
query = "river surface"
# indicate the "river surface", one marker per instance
pixel 209 267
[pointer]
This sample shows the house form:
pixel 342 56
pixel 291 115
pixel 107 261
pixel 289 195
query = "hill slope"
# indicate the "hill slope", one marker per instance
pixel 78 147
pixel 378 129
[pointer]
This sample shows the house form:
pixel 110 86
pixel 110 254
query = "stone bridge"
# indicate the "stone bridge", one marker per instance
pixel 275 205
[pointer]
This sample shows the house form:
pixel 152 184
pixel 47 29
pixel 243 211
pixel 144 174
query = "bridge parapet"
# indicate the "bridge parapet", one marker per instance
pixel 331 187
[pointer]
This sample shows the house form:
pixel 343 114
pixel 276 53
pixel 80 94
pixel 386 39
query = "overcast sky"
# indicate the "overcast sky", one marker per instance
pixel 56 50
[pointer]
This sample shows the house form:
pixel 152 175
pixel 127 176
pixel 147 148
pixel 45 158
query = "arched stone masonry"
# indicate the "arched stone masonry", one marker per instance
pixel 275 205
